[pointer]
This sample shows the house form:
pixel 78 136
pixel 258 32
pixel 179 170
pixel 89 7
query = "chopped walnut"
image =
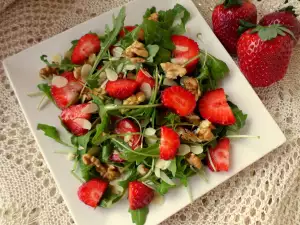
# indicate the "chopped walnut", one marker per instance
pixel 193 118
pixel 204 132
pixel 194 160
pixel 192 85
pixel 154 17
pixel 134 100
pixel 91 60
pixel 172 70
pixel 136 52
pixel 48 72
pixel 108 172
pixel 187 135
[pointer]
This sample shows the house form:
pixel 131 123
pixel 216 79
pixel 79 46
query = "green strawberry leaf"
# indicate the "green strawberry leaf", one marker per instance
pixel 270 32
pixel 230 3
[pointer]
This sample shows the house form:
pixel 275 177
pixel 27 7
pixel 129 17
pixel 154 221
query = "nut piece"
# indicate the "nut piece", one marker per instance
pixel 172 70
pixel 154 17
pixel 193 160
pixel 192 85
pixel 87 93
pixel 48 72
pixel 187 135
pixel 134 100
pixel 108 172
pixel 204 131
pixel 136 52
pixel 193 118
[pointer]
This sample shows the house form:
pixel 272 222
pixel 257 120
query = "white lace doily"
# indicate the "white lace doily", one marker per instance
pixel 266 193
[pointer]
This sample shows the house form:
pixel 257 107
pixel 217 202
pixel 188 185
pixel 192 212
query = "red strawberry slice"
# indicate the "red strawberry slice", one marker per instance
pixel 121 88
pixel 73 116
pixel 213 106
pixel 128 126
pixel 65 95
pixel 169 143
pixel 139 195
pixel 87 45
pixel 129 29
pixel 185 49
pixel 144 77
pixel 92 191
pixel 179 99
pixel 218 157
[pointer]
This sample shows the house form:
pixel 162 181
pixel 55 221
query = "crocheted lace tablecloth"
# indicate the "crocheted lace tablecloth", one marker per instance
pixel 265 193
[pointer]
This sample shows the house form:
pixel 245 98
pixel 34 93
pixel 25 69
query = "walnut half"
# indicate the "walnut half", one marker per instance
pixel 136 52
pixel 192 85
pixel 194 160
pixel 48 72
pixel 172 70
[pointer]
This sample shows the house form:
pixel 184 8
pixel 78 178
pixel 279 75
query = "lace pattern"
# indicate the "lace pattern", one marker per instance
pixel 267 192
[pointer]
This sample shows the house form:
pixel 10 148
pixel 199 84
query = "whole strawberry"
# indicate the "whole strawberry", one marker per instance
pixel 226 18
pixel 286 17
pixel 264 54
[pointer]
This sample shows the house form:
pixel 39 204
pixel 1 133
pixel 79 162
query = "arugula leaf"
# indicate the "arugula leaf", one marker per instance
pixel 109 198
pixel 137 155
pixel 65 64
pixel 153 50
pixel 110 38
pixel 106 152
pixel 82 141
pixel 163 55
pixel 182 16
pixel 173 167
pixel 46 89
pixel 129 37
pixel 85 170
pixel 130 176
pixel 148 12
pixel 139 216
pixel 51 132
pixel 164 187
pixel 240 119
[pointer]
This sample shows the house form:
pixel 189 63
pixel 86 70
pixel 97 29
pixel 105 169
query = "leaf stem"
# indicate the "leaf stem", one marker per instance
pixel 118 107
pixel 35 94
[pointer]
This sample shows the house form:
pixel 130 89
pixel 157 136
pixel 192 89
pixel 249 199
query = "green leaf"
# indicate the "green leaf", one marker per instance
pixel 82 141
pixel 217 67
pixel 130 176
pixel 148 12
pixel 137 155
pixel 163 55
pixel 51 132
pixel 182 15
pixel 46 89
pixel 85 170
pixel 164 187
pixel 173 167
pixel 139 216
pixel 110 38
pixel 240 119
pixel 65 65
pixel 106 152
pixel 152 50
pixel 270 32
pixel 244 26
pixel 109 198
pixel 230 3
pixel 129 37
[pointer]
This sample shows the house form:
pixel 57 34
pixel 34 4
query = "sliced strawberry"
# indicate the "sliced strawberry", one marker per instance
pixel 65 95
pixel 115 157
pixel 87 45
pixel 185 49
pixel 92 191
pixel 73 117
pixel 144 77
pixel 218 157
pixel 121 88
pixel 179 99
pixel 169 143
pixel 139 195
pixel 129 29
pixel 128 126
pixel 213 106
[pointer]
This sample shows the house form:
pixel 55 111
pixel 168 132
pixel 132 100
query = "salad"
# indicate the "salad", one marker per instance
pixel 144 108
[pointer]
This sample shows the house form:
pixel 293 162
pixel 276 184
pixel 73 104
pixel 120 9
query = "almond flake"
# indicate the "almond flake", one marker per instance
pixel 178 61
pixel 117 52
pixel 85 70
pixel 197 149
pixel 57 59
pixel 166 179
pixel 169 82
pixel 150 131
pixel 183 149
pixel 146 88
pixel 83 123
pixel 59 81
pixel 90 108
pixel 111 74
pixel 162 164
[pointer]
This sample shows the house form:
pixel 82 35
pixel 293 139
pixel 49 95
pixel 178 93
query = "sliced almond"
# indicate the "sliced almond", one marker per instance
pixel 111 74
pixel 85 70
pixel 178 61
pixel 91 60
pixel 83 123
pixel 162 164
pixel 77 72
pixel 129 67
pixel 59 81
pixel 90 108
pixel 57 59
pixel 183 149
pixel 141 169
pixel 103 85
pixel 157 172
pixel 150 131
pixel 117 52
pixel 166 179
pixel 169 82
pixel 197 149
pixel 181 48
pixel 146 88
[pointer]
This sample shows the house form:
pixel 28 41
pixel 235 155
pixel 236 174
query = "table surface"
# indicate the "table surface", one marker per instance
pixel 267 192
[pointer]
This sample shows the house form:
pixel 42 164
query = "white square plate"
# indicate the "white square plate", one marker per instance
pixel 23 68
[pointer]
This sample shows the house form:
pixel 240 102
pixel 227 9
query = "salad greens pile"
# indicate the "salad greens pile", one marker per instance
pixel 143 163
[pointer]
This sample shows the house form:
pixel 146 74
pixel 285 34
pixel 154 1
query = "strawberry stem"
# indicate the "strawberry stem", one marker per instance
pixel 230 3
